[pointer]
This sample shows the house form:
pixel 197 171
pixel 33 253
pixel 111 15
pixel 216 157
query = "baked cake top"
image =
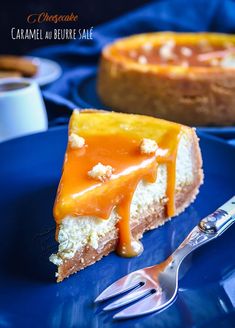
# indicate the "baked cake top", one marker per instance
pixel 182 50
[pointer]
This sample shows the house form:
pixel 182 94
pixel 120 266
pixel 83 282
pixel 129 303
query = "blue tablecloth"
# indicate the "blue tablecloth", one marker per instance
pixel 79 56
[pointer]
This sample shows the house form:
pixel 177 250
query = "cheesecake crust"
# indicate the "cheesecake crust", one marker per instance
pixel 188 95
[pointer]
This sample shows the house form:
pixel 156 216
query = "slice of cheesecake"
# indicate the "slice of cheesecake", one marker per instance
pixel 123 174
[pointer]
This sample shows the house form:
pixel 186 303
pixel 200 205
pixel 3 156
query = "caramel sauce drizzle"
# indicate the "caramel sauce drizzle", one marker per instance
pixel 80 195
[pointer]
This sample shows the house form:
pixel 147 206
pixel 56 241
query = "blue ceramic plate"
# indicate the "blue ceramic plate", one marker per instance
pixel 48 70
pixel 85 96
pixel 29 295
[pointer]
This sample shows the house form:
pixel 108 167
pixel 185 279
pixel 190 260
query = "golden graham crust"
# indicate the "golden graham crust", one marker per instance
pixel 189 95
pixel 154 217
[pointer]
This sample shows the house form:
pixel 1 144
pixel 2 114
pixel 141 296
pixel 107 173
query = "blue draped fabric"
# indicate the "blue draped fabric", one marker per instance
pixel 78 57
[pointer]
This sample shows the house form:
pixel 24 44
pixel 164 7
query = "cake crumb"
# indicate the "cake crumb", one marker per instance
pixel 148 146
pixel 82 260
pixel 101 172
pixel 142 60
pixel 76 141
pixel 148 46
pixel 76 111
pixel 55 259
pixel 185 51
pixel 166 50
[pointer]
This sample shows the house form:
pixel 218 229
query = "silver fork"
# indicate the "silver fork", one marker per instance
pixel 155 287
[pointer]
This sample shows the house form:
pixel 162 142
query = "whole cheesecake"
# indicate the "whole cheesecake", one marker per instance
pixel 123 174
pixel 185 77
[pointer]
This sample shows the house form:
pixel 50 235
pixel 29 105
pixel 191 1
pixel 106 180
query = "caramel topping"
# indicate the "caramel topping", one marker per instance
pixel 174 54
pixel 116 146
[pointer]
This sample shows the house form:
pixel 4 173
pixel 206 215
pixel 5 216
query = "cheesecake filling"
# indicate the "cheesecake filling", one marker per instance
pixel 82 194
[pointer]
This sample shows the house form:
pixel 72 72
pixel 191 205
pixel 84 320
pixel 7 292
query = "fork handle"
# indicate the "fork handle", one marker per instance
pixel 220 220
pixel 208 228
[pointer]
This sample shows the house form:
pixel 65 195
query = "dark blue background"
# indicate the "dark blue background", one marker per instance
pixel 212 15
pixel 13 13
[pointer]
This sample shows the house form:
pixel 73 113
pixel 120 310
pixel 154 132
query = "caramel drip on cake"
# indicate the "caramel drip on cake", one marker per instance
pixel 84 193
